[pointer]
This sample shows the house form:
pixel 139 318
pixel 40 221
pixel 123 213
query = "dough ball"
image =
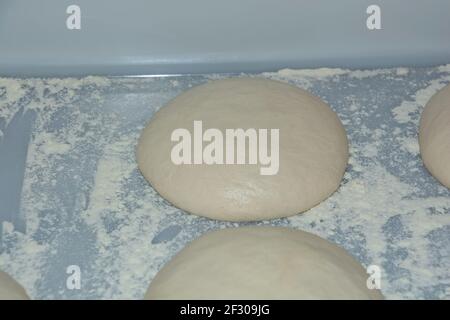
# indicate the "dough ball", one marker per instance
pixel 434 136
pixel 261 263
pixel 313 151
pixel 10 289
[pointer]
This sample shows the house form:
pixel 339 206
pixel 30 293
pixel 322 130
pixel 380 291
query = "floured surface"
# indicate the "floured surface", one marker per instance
pixel 85 203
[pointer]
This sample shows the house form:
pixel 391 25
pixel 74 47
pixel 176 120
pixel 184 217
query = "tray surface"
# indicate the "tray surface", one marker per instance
pixel 71 193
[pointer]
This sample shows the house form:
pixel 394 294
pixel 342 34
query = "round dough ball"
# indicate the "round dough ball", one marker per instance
pixel 313 151
pixel 10 289
pixel 434 136
pixel 261 263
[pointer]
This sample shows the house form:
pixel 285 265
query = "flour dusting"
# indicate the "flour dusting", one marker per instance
pixel 85 202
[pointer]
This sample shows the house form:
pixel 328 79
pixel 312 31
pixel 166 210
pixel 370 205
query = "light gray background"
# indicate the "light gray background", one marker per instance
pixel 204 36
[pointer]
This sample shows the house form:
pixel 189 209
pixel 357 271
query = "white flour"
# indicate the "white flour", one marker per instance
pixel 85 202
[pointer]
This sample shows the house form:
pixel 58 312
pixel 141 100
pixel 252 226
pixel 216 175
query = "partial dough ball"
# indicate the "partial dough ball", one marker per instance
pixel 10 289
pixel 261 263
pixel 313 151
pixel 434 136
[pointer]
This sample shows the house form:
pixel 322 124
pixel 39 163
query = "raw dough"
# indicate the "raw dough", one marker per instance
pixel 261 263
pixel 434 136
pixel 313 151
pixel 10 289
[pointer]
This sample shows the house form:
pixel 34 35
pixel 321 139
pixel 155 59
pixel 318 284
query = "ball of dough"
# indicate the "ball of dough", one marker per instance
pixel 434 136
pixel 261 263
pixel 313 151
pixel 10 289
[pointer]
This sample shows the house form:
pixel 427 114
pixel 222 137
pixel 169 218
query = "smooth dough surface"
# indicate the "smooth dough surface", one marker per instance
pixel 261 263
pixel 434 136
pixel 313 150
pixel 10 289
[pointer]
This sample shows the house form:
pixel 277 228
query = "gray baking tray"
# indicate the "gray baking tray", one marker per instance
pixel 71 192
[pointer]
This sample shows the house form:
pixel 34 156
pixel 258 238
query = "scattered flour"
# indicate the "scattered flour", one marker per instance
pixel 402 71
pixel 444 68
pixel 409 110
pixel 324 73
pixel 48 144
pixel 45 94
pixel 86 203
pixel 312 73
